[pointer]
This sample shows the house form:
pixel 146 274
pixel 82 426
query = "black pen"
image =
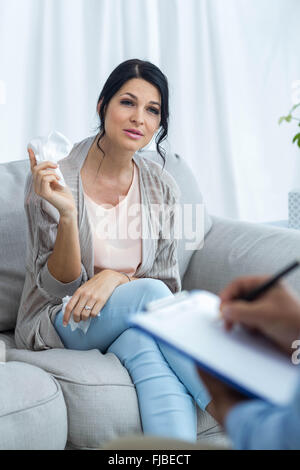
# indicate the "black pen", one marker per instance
pixel 253 294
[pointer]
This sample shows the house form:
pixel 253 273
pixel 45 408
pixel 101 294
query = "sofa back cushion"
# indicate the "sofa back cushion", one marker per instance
pixel 237 248
pixel 13 232
pixel 13 228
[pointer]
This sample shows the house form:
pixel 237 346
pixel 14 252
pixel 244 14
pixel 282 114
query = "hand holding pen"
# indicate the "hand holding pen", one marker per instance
pixel 265 304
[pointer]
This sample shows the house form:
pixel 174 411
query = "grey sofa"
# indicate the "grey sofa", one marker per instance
pixel 64 399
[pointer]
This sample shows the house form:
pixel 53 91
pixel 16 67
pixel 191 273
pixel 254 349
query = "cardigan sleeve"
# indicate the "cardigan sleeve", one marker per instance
pixel 166 266
pixel 43 219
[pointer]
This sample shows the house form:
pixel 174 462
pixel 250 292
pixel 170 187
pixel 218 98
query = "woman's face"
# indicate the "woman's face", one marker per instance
pixel 136 107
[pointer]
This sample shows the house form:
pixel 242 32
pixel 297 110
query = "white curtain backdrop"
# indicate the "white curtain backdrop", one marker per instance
pixel 230 65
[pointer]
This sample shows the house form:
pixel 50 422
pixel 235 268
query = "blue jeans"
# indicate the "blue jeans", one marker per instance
pixel 166 382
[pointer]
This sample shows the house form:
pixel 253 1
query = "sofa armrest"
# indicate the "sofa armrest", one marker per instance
pixel 33 413
pixel 233 248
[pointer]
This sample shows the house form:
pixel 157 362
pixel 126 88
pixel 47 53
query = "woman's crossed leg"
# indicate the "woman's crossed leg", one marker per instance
pixel 166 407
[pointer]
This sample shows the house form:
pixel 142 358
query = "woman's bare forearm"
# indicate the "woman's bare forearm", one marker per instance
pixel 64 263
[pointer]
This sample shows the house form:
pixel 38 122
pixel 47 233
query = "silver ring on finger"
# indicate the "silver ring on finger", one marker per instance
pixel 86 307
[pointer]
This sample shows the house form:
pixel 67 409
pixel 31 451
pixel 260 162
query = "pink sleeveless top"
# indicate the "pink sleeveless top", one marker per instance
pixel 117 231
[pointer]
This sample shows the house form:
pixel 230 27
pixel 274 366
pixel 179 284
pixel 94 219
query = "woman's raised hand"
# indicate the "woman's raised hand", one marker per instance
pixel 46 185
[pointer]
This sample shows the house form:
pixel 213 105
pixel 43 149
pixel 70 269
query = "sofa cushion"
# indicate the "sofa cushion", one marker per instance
pixel 98 392
pixel 103 388
pixel 234 248
pixel 33 412
pixel 13 232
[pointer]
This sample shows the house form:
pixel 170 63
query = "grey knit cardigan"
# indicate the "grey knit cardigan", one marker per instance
pixel 42 294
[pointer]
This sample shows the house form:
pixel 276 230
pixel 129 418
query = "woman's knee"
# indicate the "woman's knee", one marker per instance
pixel 147 290
pixel 153 288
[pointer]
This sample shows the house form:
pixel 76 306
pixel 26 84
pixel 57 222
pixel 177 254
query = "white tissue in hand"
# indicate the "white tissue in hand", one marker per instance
pixel 52 148
pixel 82 325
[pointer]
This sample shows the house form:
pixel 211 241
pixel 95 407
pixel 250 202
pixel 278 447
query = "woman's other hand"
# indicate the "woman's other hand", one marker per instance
pixel 93 293
pixel 46 185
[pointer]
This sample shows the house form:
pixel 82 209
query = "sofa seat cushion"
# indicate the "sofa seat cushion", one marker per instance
pixel 33 413
pixel 100 397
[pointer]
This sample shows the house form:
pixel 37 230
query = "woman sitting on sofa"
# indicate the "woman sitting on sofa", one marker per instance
pixel 71 253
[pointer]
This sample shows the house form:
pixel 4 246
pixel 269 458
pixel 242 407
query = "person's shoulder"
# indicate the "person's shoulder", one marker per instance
pixel 159 176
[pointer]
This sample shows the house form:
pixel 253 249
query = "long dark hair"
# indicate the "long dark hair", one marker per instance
pixel 136 68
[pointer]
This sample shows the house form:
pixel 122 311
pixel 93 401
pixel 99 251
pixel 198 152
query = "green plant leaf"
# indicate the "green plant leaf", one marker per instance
pixel 297 137
pixel 294 107
pixel 285 118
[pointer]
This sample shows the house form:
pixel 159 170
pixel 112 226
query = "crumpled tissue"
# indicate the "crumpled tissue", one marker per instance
pixel 52 148
pixel 83 324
